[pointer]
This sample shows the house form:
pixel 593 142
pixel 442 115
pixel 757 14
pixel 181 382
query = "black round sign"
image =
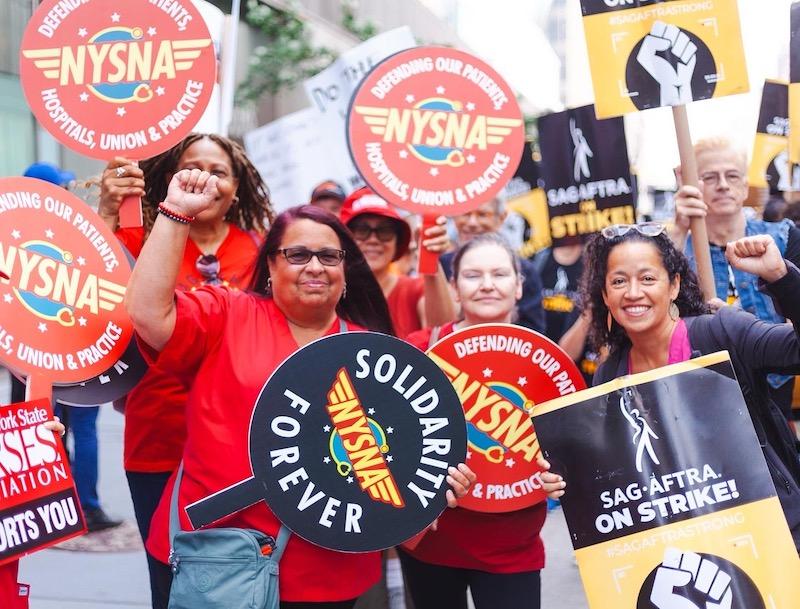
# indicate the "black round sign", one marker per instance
pixel 351 438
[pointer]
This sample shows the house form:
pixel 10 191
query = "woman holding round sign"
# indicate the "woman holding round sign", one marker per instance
pixel 221 250
pixel 497 551
pixel 310 276
pixel 648 308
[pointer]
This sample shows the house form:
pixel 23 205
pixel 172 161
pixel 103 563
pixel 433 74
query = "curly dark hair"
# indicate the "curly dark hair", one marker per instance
pixel 364 304
pixel 254 210
pixel 690 299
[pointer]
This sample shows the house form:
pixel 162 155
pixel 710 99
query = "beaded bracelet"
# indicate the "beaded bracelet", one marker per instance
pixel 173 215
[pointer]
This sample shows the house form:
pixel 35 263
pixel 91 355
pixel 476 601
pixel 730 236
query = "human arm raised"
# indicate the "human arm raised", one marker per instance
pixel 149 298
pixel 688 204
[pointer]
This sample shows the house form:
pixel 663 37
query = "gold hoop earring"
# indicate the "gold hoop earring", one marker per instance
pixel 674 311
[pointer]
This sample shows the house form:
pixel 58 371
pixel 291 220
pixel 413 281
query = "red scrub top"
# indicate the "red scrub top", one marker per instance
pixel 228 343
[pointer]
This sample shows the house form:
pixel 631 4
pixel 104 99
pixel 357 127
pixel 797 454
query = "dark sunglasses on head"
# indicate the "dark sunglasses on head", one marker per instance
pixel 648 229
pixel 302 255
pixel 384 232
pixel 208 267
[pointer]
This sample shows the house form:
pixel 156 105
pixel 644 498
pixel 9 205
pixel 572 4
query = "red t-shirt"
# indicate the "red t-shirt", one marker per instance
pixel 402 301
pixel 155 424
pixel 12 594
pixel 229 343
pixel 495 543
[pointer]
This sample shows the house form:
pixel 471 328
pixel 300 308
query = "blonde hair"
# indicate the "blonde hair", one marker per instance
pixel 720 143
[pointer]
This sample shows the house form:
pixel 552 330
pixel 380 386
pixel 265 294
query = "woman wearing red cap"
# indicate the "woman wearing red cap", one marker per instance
pixel 384 237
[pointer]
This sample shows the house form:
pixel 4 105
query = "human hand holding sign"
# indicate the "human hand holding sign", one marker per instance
pixel 679 569
pixel 757 255
pixel 675 81
pixel 191 192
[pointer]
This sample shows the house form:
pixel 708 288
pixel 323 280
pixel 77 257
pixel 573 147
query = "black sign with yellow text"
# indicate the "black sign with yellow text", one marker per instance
pixel 651 53
pixel 794 84
pixel 669 501
pixel 588 181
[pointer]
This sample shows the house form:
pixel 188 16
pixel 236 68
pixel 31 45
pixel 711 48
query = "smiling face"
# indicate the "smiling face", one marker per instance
pixel 724 183
pixel 485 219
pixel 206 155
pixel 378 253
pixel 637 288
pixel 306 285
pixel 487 286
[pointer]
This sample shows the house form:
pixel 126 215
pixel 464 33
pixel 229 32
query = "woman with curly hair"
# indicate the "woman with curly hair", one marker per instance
pixel 648 309
pixel 221 250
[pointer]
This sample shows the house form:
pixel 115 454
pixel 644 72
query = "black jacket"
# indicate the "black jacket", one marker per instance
pixel 756 348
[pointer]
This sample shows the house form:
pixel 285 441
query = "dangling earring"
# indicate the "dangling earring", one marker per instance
pixel 609 321
pixel 674 312
pixel 269 285
pixel 344 292
pixel 235 201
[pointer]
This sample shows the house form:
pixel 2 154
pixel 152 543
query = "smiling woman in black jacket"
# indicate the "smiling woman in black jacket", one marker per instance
pixel 647 307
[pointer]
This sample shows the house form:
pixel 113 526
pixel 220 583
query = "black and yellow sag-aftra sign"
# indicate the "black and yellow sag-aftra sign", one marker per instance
pixel 646 54
pixel 669 501
pixel 769 167
pixel 794 84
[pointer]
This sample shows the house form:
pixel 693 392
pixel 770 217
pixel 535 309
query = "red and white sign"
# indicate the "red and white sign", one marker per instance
pixel 61 311
pixel 38 502
pixel 109 78
pixel 435 130
pixel 500 373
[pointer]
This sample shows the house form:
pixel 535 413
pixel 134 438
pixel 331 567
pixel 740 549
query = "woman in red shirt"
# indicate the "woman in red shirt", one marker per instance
pixel 384 237
pixel 221 250
pixel 498 556
pixel 229 342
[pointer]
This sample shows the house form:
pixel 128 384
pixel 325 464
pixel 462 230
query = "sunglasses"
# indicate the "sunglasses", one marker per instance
pixel 302 255
pixel 208 267
pixel 384 232
pixel 648 229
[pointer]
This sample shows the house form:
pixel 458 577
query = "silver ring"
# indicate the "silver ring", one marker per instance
pixel 120 172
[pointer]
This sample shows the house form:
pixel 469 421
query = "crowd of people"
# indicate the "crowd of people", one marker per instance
pixel 224 290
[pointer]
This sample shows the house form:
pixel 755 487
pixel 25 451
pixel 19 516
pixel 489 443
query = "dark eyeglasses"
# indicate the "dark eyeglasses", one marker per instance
pixel 302 255
pixel 208 267
pixel 384 232
pixel 648 229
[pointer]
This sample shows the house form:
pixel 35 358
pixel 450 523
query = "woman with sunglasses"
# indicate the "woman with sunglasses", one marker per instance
pixel 384 237
pixel 221 250
pixel 648 309
pixel 497 556
pixel 310 274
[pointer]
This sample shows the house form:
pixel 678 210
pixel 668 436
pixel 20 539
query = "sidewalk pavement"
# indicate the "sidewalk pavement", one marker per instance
pixel 62 579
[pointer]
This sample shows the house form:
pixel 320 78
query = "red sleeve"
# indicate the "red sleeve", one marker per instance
pixel 420 338
pixel 199 325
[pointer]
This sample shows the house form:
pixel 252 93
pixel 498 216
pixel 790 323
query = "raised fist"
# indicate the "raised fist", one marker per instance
pixel 675 82
pixel 191 192
pixel 678 569
pixel 757 255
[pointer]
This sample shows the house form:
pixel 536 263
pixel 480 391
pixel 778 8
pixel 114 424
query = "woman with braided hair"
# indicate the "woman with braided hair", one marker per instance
pixel 221 250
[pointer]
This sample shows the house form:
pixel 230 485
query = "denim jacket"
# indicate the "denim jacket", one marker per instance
pixel 750 298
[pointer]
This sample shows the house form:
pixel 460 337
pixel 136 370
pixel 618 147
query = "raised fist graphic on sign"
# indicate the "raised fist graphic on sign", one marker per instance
pixel 675 80
pixel 678 569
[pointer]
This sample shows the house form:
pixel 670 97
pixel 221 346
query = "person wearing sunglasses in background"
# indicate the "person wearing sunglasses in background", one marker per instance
pixel 384 237
pixel 719 199
pixel 221 250
pixel 498 556
pixel 649 311
pixel 310 280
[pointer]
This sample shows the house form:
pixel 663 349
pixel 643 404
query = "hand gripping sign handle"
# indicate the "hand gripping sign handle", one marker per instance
pixel 698 225
pixel 225 502
pixel 427 261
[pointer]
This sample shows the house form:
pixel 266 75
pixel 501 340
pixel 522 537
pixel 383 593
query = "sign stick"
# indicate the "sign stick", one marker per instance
pixel 427 261
pixel 39 387
pixel 130 211
pixel 698 225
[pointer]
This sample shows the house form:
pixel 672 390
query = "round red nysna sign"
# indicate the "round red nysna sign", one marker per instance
pixel 61 311
pixel 111 78
pixel 500 373
pixel 435 130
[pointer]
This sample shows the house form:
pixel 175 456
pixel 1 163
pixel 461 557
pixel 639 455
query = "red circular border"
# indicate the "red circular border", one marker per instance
pixel 462 162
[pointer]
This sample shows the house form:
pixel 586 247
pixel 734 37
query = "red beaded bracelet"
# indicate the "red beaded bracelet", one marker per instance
pixel 173 215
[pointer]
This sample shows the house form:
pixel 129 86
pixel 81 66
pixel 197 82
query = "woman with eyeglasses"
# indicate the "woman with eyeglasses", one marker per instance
pixel 310 274
pixel 497 556
pixel 384 237
pixel 648 309
pixel 221 250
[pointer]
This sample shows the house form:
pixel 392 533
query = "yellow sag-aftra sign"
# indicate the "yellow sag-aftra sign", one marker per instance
pixel 646 54
pixel 769 167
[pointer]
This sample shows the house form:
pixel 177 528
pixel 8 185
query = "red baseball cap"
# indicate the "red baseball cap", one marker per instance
pixel 365 201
